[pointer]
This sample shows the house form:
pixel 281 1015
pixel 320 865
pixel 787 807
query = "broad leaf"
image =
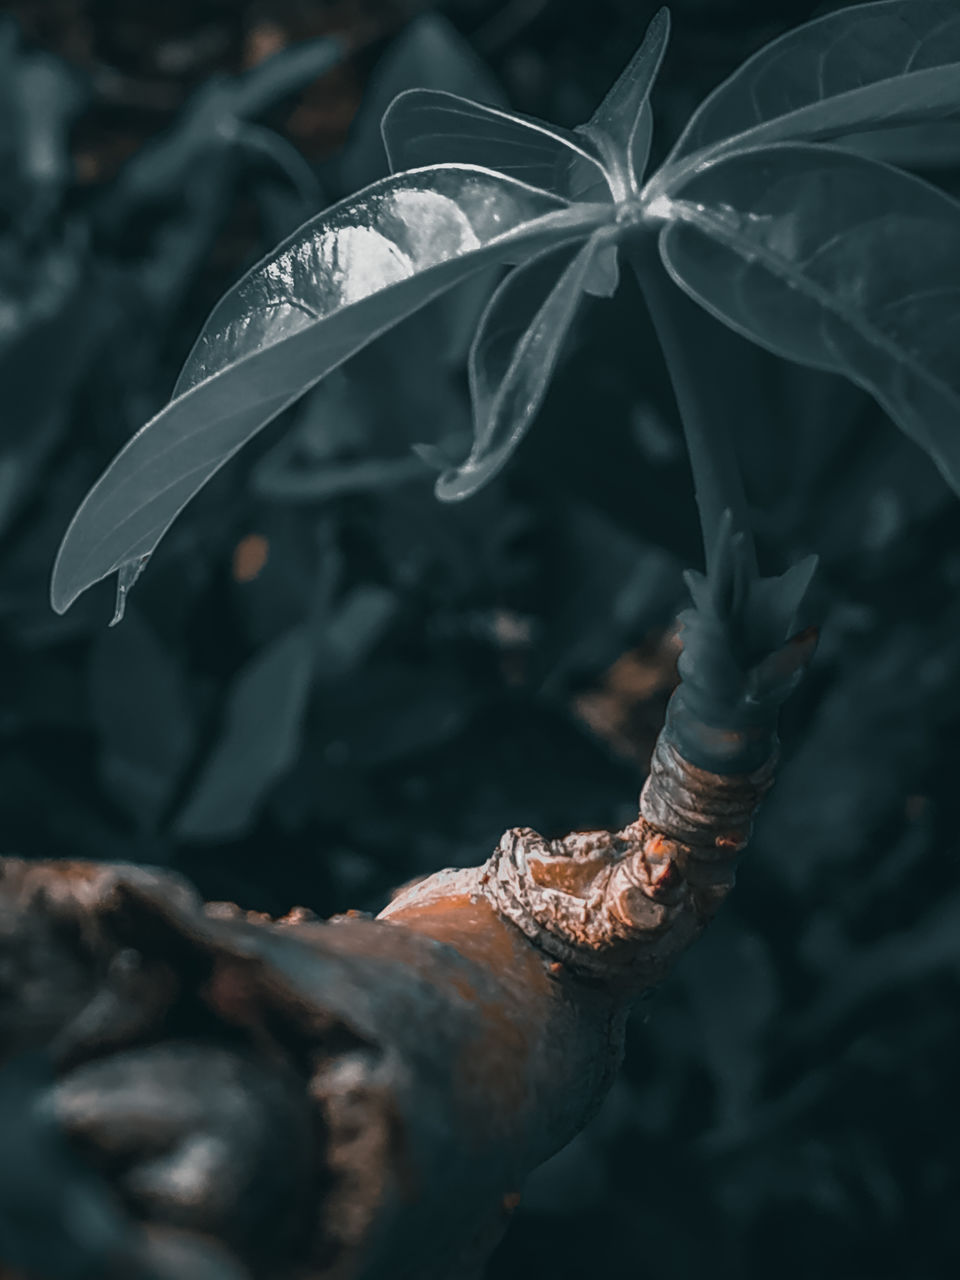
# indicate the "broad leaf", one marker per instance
pixel 335 285
pixel 260 740
pixel 872 66
pixel 428 54
pixel 624 117
pixel 838 262
pixel 931 144
pixel 427 126
pixel 513 357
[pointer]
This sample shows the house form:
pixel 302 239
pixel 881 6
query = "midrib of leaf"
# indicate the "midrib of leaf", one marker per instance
pixel 503 144
pixel 803 122
pixel 210 424
pixel 577 220
pixel 159 493
pixel 929 38
pixel 530 123
pixel 712 222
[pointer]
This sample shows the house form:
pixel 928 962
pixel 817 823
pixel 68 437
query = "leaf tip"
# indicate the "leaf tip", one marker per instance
pixel 457 483
pixel 660 22
pixel 62 592
pixel 60 602
pixel 450 486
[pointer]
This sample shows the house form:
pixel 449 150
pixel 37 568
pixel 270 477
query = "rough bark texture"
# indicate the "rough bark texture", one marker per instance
pixel 356 1097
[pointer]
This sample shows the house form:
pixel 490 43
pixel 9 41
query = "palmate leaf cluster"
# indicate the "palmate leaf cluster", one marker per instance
pixel 771 213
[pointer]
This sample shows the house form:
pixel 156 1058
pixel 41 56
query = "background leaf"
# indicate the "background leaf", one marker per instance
pixel 215 117
pixel 340 281
pixel 260 740
pixel 428 54
pixel 50 303
pixel 865 67
pixel 838 262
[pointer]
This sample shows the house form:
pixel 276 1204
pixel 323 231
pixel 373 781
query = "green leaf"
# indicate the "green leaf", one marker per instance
pixel 428 126
pixel 341 280
pixel 871 66
pixel 260 741
pixel 838 262
pixel 513 357
pixel 213 119
pixel 624 117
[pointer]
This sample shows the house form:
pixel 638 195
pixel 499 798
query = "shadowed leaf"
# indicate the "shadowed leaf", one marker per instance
pixel 837 262
pixel 513 357
pixel 215 117
pixel 931 144
pixel 259 744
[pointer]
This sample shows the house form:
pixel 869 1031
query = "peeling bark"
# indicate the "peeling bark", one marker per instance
pixel 358 1097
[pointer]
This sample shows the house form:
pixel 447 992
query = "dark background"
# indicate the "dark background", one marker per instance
pixel 328 683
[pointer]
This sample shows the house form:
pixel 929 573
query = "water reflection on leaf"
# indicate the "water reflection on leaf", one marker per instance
pixel 293 318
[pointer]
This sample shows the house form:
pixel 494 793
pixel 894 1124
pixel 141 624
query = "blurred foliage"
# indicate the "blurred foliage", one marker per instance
pixel 329 683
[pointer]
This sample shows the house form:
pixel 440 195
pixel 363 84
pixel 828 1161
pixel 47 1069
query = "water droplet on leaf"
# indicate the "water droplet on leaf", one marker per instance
pixel 126 577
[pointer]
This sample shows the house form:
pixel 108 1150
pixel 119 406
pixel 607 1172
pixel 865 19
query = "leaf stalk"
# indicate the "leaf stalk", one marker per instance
pixel 718 485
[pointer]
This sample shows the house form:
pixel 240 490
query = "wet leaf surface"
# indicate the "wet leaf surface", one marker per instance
pixel 341 280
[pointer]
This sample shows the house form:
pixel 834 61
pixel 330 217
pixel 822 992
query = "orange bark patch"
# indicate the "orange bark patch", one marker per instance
pixel 570 875
pixel 496 1066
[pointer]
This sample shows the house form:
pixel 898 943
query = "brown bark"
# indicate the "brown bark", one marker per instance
pixel 358 1097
